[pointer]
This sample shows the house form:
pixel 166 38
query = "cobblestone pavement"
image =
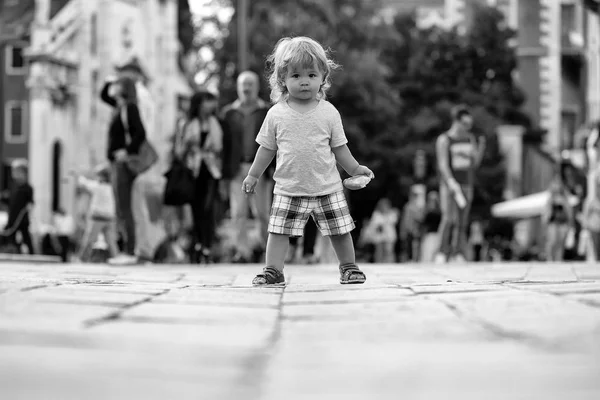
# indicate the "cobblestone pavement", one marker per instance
pixel 511 331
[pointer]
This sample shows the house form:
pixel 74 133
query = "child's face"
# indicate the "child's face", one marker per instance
pixel 302 83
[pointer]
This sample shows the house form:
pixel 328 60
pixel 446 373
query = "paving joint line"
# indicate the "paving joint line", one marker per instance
pixel 41 286
pixel 257 364
pixel 520 337
pixel 179 278
pixel 562 296
pixel 113 316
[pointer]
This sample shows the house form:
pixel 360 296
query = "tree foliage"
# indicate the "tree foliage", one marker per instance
pixel 397 84
pixel 186 30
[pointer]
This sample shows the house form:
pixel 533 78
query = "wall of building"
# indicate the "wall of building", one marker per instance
pixel 13 92
pixel 89 39
pixel 593 66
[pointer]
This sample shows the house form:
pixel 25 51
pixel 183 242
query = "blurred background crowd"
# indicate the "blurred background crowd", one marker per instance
pixel 190 77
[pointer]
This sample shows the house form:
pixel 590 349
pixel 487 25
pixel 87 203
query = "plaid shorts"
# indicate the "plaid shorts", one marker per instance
pixel 330 212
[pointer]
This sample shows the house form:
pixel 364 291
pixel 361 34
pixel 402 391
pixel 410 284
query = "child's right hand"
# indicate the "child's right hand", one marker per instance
pixel 249 184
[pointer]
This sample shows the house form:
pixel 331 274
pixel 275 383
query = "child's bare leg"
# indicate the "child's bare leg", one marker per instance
pixel 344 248
pixel 277 246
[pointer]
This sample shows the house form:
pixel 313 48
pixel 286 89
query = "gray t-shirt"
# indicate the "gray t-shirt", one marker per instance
pixel 306 165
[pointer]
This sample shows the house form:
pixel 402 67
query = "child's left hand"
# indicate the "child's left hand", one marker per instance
pixel 362 170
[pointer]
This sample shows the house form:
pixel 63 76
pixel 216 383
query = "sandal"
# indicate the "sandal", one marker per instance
pixel 350 273
pixel 270 276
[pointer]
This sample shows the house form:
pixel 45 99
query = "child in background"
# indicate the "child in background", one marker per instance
pixel 101 215
pixel 306 134
pixel 20 203
pixel 382 229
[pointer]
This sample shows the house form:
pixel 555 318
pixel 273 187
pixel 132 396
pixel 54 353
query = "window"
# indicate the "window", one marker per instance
pixel 15 62
pixel 568 128
pixel 570 25
pixel 14 125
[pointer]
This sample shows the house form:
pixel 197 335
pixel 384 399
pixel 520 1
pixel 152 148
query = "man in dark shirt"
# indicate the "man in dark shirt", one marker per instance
pixel 20 202
pixel 241 122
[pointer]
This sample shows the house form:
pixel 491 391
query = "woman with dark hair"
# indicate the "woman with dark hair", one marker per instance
pixel 201 148
pixel 126 133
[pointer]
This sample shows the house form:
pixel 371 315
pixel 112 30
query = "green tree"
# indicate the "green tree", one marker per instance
pixel 186 30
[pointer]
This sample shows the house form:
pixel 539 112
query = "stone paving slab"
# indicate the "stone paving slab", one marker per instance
pixel 505 331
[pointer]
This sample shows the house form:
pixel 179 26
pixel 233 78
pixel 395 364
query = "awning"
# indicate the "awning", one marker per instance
pixel 530 206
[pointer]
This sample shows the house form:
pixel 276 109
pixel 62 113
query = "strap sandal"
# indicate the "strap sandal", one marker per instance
pixel 350 274
pixel 269 277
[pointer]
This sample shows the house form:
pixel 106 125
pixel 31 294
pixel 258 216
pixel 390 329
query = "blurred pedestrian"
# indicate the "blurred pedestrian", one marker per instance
pixel 306 133
pixel 125 137
pixel 242 121
pixel 411 226
pixel 431 222
pixel 201 153
pixel 558 219
pixel 148 187
pixel 101 217
pixel 459 153
pixel 591 219
pixel 20 204
pixel 382 230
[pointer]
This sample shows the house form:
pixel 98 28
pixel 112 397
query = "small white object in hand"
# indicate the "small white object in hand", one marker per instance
pixel 357 182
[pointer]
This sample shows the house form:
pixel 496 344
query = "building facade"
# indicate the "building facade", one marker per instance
pixel 14 97
pixel 69 47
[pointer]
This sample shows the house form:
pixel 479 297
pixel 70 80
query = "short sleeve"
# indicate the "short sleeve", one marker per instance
pixel 338 136
pixel 266 136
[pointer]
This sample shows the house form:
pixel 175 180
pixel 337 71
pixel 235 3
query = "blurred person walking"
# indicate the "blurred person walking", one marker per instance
pixel 381 230
pixel 126 134
pixel 431 222
pixel 591 218
pixel 459 153
pixel 558 219
pixel 20 204
pixel 148 187
pixel 410 226
pixel 202 144
pixel 101 217
pixel 242 121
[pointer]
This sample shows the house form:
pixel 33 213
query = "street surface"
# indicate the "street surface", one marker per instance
pixel 503 331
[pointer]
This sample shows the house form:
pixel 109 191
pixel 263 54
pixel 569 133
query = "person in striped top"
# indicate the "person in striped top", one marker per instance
pixel 459 154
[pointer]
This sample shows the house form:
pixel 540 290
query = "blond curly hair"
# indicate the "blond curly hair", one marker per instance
pixel 300 51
